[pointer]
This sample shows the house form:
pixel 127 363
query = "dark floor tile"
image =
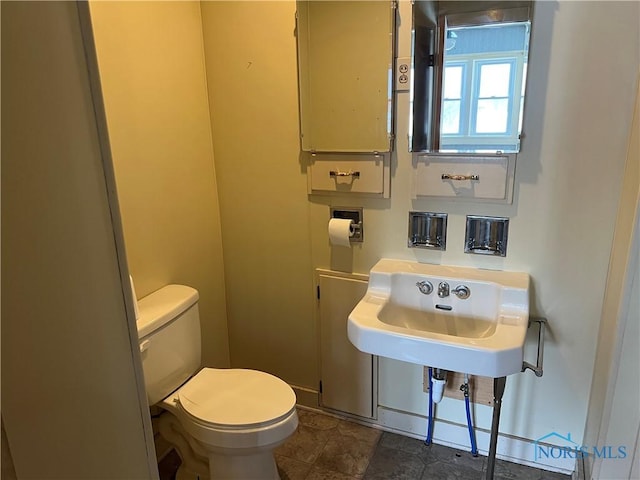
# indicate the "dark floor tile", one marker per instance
pixel 451 456
pixel 346 454
pixel 392 440
pixel 545 475
pixel 400 442
pixel 508 470
pixel 317 420
pixel 440 470
pixel 305 444
pixel 359 432
pixel 393 464
pixel 322 474
pixel 291 469
pixel 327 448
pixel 169 465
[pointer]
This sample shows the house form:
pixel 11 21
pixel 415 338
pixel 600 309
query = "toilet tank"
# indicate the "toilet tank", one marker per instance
pixel 169 336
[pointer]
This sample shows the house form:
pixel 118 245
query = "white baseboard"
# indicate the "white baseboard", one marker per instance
pixel 512 449
pixel 306 396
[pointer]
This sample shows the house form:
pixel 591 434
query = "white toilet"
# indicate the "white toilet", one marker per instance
pixel 224 423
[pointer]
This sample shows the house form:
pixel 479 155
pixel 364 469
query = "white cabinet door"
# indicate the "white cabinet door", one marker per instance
pixel 347 374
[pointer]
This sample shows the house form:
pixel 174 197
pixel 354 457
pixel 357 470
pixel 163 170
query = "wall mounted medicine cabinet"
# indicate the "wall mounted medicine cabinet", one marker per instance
pixel 345 54
pixel 469 75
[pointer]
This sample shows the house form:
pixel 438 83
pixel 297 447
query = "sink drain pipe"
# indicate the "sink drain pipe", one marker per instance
pixel 437 381
pixel 430 418
pixel 472 436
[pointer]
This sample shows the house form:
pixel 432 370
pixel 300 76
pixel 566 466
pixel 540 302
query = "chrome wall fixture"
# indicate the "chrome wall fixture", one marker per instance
pixel 427 230
pixel 486 235
pixel 425 287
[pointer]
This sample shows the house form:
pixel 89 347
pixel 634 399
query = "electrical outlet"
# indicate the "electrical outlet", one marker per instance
pixel 403 73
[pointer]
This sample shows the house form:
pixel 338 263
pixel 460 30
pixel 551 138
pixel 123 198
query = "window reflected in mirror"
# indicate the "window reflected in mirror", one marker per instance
pixel 483 87
pixel 469 75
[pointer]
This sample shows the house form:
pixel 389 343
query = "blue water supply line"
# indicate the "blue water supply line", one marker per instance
pixel 472 436
pixel 465 388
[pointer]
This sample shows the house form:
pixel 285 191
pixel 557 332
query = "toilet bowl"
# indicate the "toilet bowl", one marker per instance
pixel 224 423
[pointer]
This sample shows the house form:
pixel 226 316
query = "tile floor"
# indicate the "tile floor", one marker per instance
pixel 329 448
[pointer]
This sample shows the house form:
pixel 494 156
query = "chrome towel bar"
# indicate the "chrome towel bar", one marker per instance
pixel 537 369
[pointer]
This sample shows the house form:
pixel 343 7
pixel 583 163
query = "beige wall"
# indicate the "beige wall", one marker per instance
pixel 608 340
pixel 153 79
pixel 73 402
pixel 251 70
pixel 568 181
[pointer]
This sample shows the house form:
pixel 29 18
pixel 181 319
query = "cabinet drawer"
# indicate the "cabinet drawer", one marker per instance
pixel 488 178
pixel 349 173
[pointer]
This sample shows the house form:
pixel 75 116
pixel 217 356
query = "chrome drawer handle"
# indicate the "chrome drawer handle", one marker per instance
pixel 338 173
pixel 449 176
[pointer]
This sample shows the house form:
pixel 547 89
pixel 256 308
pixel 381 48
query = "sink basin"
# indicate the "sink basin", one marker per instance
pixel 480 335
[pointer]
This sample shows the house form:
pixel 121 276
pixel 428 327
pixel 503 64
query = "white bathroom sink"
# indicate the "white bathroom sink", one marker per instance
pixel 481 335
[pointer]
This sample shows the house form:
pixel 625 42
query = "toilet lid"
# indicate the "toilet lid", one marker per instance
pixel 236 397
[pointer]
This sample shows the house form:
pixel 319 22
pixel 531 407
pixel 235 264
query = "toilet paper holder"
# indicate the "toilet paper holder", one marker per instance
pixel 354 214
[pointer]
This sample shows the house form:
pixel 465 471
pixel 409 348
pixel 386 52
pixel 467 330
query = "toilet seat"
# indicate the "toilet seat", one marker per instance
pixel 236 398
pixel 235 408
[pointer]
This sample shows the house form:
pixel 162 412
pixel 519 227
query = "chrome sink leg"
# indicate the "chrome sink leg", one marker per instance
pixel 498 391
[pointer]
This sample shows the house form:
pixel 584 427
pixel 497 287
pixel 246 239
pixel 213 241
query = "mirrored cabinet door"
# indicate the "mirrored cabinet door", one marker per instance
pixel 345 55
pixel 470 64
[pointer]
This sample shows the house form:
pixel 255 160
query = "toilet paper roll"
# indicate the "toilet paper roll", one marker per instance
pixel 340 230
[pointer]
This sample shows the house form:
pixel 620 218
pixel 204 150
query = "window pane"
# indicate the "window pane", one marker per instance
pixel 492 115
pixel 494 80
pixel 450 123
pixel 453 82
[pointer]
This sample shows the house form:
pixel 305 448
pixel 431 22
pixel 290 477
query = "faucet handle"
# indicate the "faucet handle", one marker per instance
pixel 425 287
pixel 462 291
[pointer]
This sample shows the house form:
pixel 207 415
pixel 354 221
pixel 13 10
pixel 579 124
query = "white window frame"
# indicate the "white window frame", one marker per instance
pixel 471 64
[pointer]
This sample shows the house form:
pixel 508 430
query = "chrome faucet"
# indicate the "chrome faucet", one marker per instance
pixel 461 291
